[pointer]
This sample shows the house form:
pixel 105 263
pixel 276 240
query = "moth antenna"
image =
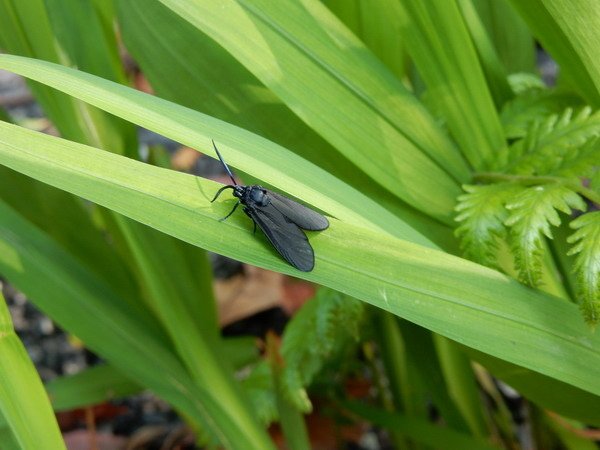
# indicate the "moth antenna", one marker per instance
pixel 223 162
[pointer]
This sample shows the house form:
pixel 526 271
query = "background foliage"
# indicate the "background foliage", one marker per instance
pixel 421 128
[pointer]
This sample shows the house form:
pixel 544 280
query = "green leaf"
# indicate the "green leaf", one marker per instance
pixel 438 41
pixel 461 300
pixel 509 33
pixel 87 45
pixel 522 81
pixel 532 211
pixel 242 149
pixel 549 142
pixel 78 28
pixel 581 162
pixel 25 29
pixel 495 73
pixel 4 116
pixel 570 35
pixel 423 359
pixel 24 405
pixel 166 46
pixel 356 103
pixel 579 26
pixel 377 24
pixel 462 384
pixel 586 245
pixel 7 438
pixel 73 228
pixel 482 213
pixel 94 385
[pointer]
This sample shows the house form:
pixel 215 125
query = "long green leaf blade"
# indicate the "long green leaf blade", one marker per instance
pixel 438 41
pixel 23 401
pixel 259 157
pixel 466 302
pixel 94 385
pixel 570 35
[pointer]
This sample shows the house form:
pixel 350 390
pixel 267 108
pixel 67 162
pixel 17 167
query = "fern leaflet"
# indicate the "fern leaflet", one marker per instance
pixel 322 328
pixel 532 211
pixel 580 162
pixel 519 114
pixel 586 246
pixel 482 213
pixel 550 141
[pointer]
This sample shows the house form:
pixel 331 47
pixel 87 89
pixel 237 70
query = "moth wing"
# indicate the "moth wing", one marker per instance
pixel 301 215
pixel 289 240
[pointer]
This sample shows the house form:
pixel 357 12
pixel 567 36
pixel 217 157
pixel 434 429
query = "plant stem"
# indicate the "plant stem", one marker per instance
pixel 590 194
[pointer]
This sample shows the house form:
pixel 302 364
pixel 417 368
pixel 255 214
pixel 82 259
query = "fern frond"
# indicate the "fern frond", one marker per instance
pixel 482 213
pixel 260 389
pixel 586 245
pixel 548 142
pixel 321 329
pixel 581 162
pixel 532 211
pixel 533 105
pixel 522 82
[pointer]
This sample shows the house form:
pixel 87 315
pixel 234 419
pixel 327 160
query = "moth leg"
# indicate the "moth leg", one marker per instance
pixel 254 232
pixel 229 186
pixel 231 212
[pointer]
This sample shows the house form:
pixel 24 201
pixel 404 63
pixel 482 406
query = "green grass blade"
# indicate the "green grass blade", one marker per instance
pixel 8 440
pixel 464 301
pixel 495 73
pixel 259 157
pixel 103 382
pixel 25 29
pixel 422 357
pixel 570 35
pixel 583 36
pixel 77 26
pixel 73 228
pixel 94 385
pixel 356 103
pixel 438 41
pixel 461 383
pixel 509 33
pixel 377 24
pixel 4 115
pixel 171 294
pixel 23 401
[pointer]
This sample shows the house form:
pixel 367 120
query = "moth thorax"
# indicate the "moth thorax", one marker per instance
pixel 259 196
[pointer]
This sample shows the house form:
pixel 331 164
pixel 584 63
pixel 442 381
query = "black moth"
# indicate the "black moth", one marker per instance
pixel 280 218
